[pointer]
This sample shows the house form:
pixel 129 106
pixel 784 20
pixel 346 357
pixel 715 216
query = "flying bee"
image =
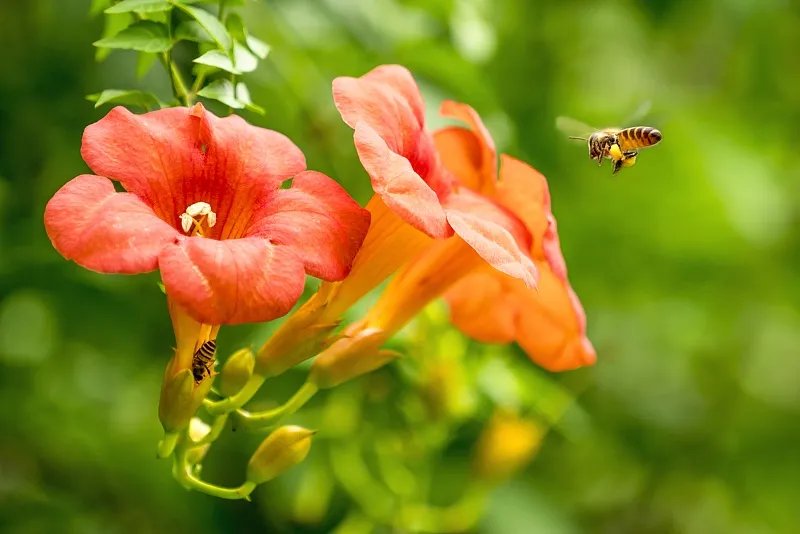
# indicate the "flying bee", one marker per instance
pixel 203 360
pixel 620 145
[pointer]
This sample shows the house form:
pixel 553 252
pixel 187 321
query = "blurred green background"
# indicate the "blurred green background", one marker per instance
pixel 686 264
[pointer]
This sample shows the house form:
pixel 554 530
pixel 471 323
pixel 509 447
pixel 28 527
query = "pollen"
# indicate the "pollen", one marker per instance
pixel 196 216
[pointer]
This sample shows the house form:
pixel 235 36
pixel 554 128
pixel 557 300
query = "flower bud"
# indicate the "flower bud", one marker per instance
pixel 284 448
pixel 180 399
pixel 236 372
pixel 349 357
pixel 302 335
pixel 506 445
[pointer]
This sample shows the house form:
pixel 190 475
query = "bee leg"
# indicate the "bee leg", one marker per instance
pixel 617 165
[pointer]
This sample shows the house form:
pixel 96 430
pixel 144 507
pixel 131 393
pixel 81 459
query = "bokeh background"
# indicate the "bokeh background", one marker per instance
pixel 686 265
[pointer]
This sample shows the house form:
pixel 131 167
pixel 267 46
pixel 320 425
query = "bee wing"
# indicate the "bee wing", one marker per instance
pixel 573 127
pixel 640 113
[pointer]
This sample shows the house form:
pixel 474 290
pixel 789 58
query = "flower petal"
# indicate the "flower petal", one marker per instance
pixel 175 157
pixel 319 221
pixel 460 150
pixel 100 229
pixel 485 157
pixel 401 189
pixel 548 322
pixel 552 327
pixel 523 190
pixel 481 307
pixel 495 234
pixel 386 98
pixel 232 281
pixel 385 109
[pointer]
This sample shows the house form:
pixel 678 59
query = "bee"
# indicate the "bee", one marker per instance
pixel 203 360
pixel 620 145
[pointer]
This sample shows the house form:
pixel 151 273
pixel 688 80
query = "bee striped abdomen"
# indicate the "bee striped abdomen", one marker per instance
pixel 203 360
pixel 638 137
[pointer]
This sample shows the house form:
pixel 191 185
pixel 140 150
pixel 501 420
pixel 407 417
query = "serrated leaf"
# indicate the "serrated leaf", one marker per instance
pixel 140 6
pixel 257 46
pixel 144 36
pixel 222 91
pixel 127 97
pixel 243 96
pixel 210 24
pixel 190 30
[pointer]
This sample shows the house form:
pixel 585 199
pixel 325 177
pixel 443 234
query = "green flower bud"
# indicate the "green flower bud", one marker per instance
pixel 285 447
pixel 236 372
pixel 180 399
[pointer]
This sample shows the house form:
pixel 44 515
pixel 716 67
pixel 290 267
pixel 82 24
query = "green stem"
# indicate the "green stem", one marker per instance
pixel 261 419
pixel 182 471
pixel 235 402
pixel 178 85
pixel 198 82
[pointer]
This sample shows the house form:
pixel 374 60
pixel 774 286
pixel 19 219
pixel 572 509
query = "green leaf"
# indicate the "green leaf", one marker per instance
pixel 211 25
pixel 127 97
pixel 218 59
pixel 235 26
pixel 243 60
pixel 257 46
pixel 190 30
pixel 222 91
pixel 239 32
pixel 243 96
pixel 144 36
pixel 112 25
pixel 140 6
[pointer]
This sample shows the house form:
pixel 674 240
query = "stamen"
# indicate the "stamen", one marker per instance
pixel 195 216
pixel 199 208
pixel 186 222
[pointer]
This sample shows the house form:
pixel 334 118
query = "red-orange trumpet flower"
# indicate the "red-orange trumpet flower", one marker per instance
pixel 204 205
